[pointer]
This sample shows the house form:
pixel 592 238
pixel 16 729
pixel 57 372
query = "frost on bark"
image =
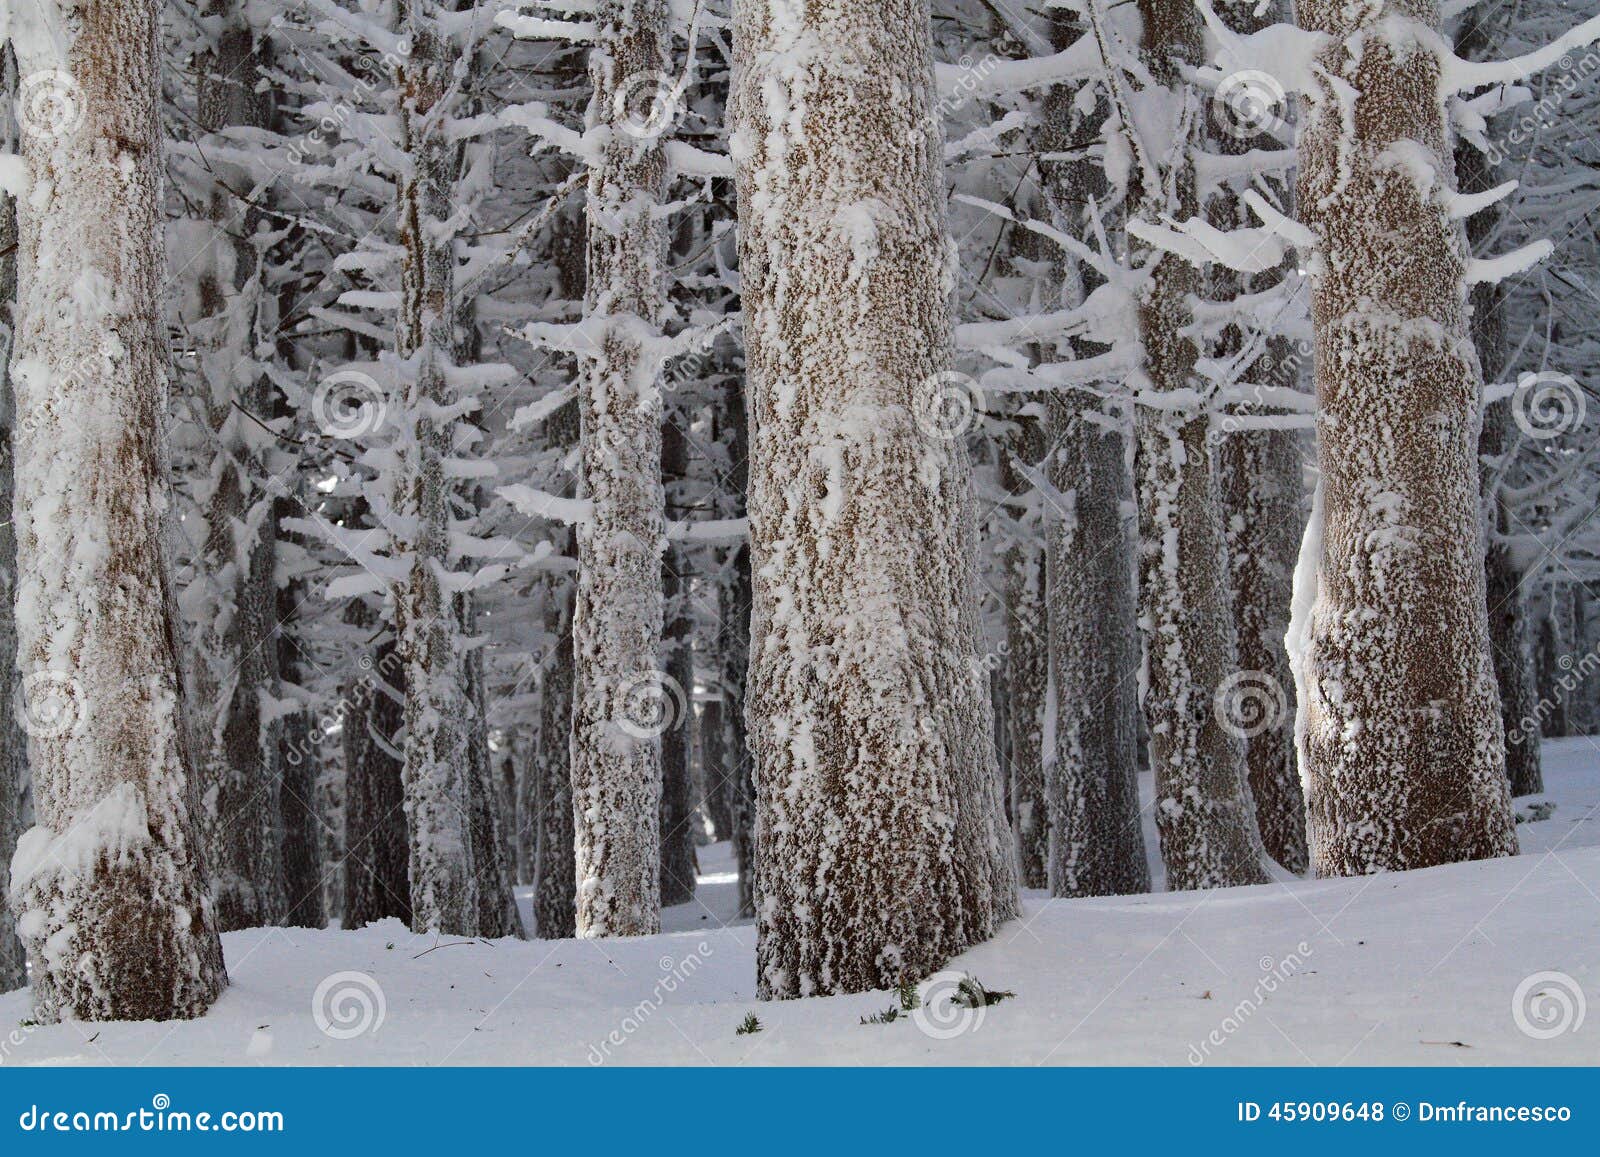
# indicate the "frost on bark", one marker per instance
pixel 734 611
pixel 1091 785
pixel 883 846
pixel 497 898
pixel 107 886
pixel 376 846
pixel 1401 744
pixel 618 688
pixel 13 741
pixel 1203 807
pixel 678 864
pixel 232 601
pixel 1510 632
pixel 301 760
pixel 1261 485
pixel 1027 670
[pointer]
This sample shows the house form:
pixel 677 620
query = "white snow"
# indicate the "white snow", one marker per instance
pixel 1408 968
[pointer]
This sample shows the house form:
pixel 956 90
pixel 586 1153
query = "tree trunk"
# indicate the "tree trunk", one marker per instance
pixel 233 601
pixel 678 864
pixel 734 609
pixel 1091 778
pixel 376 844
pixel 1204 811
pixel 619 690
pixel 1510 633
pixel 107 887
pixel 13 741
pixel 1401 743
pixel 884 850
pixel 1027 666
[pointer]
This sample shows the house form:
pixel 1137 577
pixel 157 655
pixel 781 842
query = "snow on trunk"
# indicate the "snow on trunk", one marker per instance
pixel 622 701
pixel 883 846
pixel 376 845
pixel 1027 667
pixel 1402 748
pixel 1091 788
pixel 13 741
pixel 107 887
pixel 1204 811
pixel 232 603
pixel 678 864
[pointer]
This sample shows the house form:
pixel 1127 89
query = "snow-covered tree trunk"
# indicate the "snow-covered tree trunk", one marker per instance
pixel 1203 807
pixel 1510 632
pixel 233 600
pixel 439 769
pixel 376 844
pixel 107 886
pixel 1261 487
pixel 734 604
pixel 1027 668
pixel 619 690
pixel 13 741
pixel 678 864
pixel 1096 842
pixel 555 884
pixel 1401 744
pixel 301 761
pixel 883 846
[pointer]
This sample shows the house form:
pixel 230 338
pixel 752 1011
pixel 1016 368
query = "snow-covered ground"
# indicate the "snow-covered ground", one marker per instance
pixel 1432 967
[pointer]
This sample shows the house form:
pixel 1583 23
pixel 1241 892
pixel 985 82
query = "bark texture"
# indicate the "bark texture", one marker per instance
pixel 883 846
pixel 1204 810
pixel 1027 669
pixel 619 690
pixel 1091 786
pixel 678 863
pixel 108 886
pixel 13 740
pixel 376 845
pixel 1400 737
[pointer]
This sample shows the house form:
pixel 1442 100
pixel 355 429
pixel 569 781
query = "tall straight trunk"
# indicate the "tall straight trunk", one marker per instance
pixel 376 844
pixel 440 770
pixel 107 887
pixel 1204 811
pixel 716 777
pixel 1261 485
pixel 301 760
pixel 616 752
pixel 678 863
pixel 1401 743
pixel 1510 632
pixel 1027 668
pixel 1091 775
pixel 497 897
pixel 235 659
pixel 13 741
pixel 884 849
pixel 734 604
